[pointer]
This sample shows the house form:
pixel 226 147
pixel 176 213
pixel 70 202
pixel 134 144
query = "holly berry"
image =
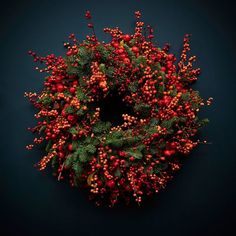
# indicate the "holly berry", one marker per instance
pixel 120 51
pixel 72 90
pixel 169 152
pixel 71 117
pixel 135 49
pixel 111 183
pixel 60 88
pixel 70 147
pixel 127 38
pixel 115 44
pixel 126 60
pixel 69 53
pixel 61 155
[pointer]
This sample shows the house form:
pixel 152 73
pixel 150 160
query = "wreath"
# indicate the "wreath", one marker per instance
pixel 138 156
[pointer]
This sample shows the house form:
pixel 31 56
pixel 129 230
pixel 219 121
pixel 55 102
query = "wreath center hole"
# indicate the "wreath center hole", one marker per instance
pixel 112 107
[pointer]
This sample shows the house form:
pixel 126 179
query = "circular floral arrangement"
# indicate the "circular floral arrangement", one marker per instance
pixel 139 156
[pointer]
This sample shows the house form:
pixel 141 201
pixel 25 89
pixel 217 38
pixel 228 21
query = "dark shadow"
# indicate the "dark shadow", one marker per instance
pixel 112 107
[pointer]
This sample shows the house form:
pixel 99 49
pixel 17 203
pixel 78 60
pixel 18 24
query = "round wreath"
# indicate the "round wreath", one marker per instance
pixel 137 157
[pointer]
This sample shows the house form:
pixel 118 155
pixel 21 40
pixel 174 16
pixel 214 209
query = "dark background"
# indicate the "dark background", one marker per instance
pixel 201 198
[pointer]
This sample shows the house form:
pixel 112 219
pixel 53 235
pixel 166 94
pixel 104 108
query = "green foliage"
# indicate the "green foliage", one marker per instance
pixel 173 92
pixel 54 162
pixel 133 86
pixel 70 109
pixel 71 70
pixel 203 122
pixel 185 96
pixel 109 72
pixel 80 94
pixel 169 123
pixel 117 172
pixel 131 55
pixel 73 130
pixel 103 52
pixel 45 100
pixel 49 146
pixel 85 56
pixel 90 149
pixel 140 60
pixel 101 127
pixel 154 122
pixel 78 169
pixel 69 161
pixel 137 154
pixel 42 129
pixel 142 108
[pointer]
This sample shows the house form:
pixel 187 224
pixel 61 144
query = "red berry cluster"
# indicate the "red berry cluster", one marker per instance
pixel 138 157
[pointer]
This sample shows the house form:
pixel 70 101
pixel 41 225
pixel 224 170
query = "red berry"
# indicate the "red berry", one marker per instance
pixel 111 183
pixel 131 158
pixel 58 79
pixel 126 60
pixel 170 57
pixel 60 88
pixel 169 152
pixel 135 49
pixel 72 90
pixel 115 44
pixel 98 166
pixel 120 51
pixel 61 154
pixel 99 182
pixel 69 53
pixel 127 38
pixel 70 117
pixel 70 147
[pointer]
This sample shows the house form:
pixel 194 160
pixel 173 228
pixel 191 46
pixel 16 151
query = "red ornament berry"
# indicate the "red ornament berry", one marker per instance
pixel 61 154
pixel 135 49
pixel 169 152
pixel 127 38
pixel 111 183
pixel 69 53
pixel 70 147
pixel 126 60
pixel 72 90
pixel 71 117
pixel 120 51
pixel 115 44
pixel 60 88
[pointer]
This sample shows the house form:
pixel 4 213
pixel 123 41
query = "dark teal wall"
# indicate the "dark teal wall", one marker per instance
pixel 199 201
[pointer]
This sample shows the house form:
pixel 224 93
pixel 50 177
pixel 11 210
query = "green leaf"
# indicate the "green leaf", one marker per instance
pixel 69 161
pixel 117 172
pixel 77 169
pixel 101 127
pixel 133 86
pixel 117 143
pixel 91 149
pixel 42 128
pixel 83 156
pixel 46 100
pixel 49 146
pixel 203 122
pixel 70 110
pixel 185 96
pixel 73 130
pixel 135 153
pixel 154 122
pixel 102 68
pixel 169 123
pixel 80 94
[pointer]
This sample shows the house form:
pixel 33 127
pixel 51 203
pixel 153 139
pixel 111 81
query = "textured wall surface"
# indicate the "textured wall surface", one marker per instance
pixel 200 199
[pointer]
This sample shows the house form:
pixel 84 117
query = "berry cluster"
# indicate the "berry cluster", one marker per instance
pixel 138 157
